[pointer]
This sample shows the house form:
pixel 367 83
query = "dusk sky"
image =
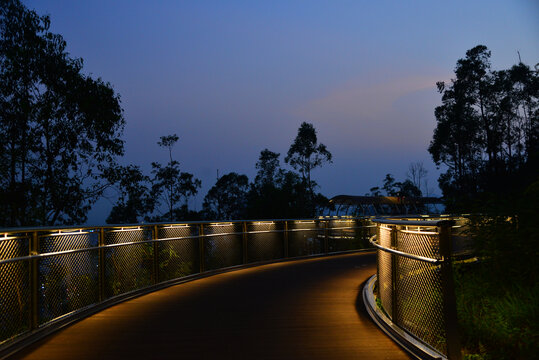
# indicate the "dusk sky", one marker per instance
pixel 234 77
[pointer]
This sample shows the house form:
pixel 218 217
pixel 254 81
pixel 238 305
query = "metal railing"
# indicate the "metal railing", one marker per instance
pixel 50 274
pixel 415 283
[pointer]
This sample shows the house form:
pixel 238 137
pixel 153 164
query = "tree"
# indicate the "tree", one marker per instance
pixel 395 188
pixel 226 200
pixel 417 174
pixel 487 128
pixel 306 154
pixel 268 168
pixel 60 128
pixel 278 193
pixel 408 189
pixel 390 186
pixel 170 184
pixel 374 191
pixel 135 198
pixel 264 199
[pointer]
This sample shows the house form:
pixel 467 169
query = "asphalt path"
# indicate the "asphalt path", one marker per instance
pixel 305 309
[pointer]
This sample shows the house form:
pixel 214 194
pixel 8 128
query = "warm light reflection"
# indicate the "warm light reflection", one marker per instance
pixel 176 226
pixel 71 232
pixel 221 224
pixel 126 229
pixel 264 223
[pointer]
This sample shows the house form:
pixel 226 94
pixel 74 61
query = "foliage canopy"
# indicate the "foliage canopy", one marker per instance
pixel 61 128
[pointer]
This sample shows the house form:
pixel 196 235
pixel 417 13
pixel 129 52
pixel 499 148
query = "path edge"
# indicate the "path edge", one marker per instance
pixel 412 345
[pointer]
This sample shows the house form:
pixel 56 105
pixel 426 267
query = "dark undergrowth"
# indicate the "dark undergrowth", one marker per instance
pixel 498 296
pixel 498 315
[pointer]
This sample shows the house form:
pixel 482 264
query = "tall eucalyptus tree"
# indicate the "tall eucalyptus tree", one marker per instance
pixel 60 128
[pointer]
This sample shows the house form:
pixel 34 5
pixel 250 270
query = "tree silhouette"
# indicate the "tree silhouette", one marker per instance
pixel 390 186
pixel 306 154
pixel 268 168
pixel 396 188
pixel 226 200
pixel 135 200
pixel 487 128
pixel 417 174
pixel 169 184
pixel 60 129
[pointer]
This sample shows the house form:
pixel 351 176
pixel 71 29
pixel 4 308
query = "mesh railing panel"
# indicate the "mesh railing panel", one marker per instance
pixel 225 250
pixel 419 307
pixel 71 241
pixel 412 289
pixel 72 269
pixel 128 267
pixel 305 225
pixel 14 287
pixel 308 241
pixel 180 257
pixel 461 241
pixel 385 276
pixel 418 243
pixel 177 231
pixel 14 298
pixel 67 282
pixel 14 246
pixel 347 235
pixel 126 236
pixel 265 246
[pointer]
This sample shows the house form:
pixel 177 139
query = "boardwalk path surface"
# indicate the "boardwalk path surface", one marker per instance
pixel 302 309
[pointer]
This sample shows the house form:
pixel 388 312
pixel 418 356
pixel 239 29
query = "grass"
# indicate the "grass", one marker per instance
pixel 498 314
pixel 498 297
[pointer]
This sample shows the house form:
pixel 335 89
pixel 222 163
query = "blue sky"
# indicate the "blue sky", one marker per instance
pixel 234 77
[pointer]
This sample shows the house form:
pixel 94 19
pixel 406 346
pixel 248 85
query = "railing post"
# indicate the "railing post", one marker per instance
pixel 326 237
pixel 155 255
pixel 394 274
pixel 34 279
pixel 201 247
pixel 448 292
pixel 244 242
pixel 101 265
pixel 285 239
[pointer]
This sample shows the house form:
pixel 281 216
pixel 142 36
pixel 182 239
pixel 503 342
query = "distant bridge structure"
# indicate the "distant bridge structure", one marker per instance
pixel 383 205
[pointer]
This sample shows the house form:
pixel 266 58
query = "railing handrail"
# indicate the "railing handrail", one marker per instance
pixel 426 223
pixel 106 264
pixel 401 253
pixel 94 248
pixel 193 222
pixel 403 285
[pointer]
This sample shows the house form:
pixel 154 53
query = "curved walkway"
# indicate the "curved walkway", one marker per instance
pixel 305 309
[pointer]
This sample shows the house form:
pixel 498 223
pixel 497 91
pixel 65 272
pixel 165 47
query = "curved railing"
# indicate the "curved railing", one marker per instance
pixel 48 275
pixel 415 284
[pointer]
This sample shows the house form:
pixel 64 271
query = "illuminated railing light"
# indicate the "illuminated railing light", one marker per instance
pixel 68 232
pixel 137 228
pixel 264 223
pixel 221 224
pixel 6 237
pixel 304 222
pixel 176 226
